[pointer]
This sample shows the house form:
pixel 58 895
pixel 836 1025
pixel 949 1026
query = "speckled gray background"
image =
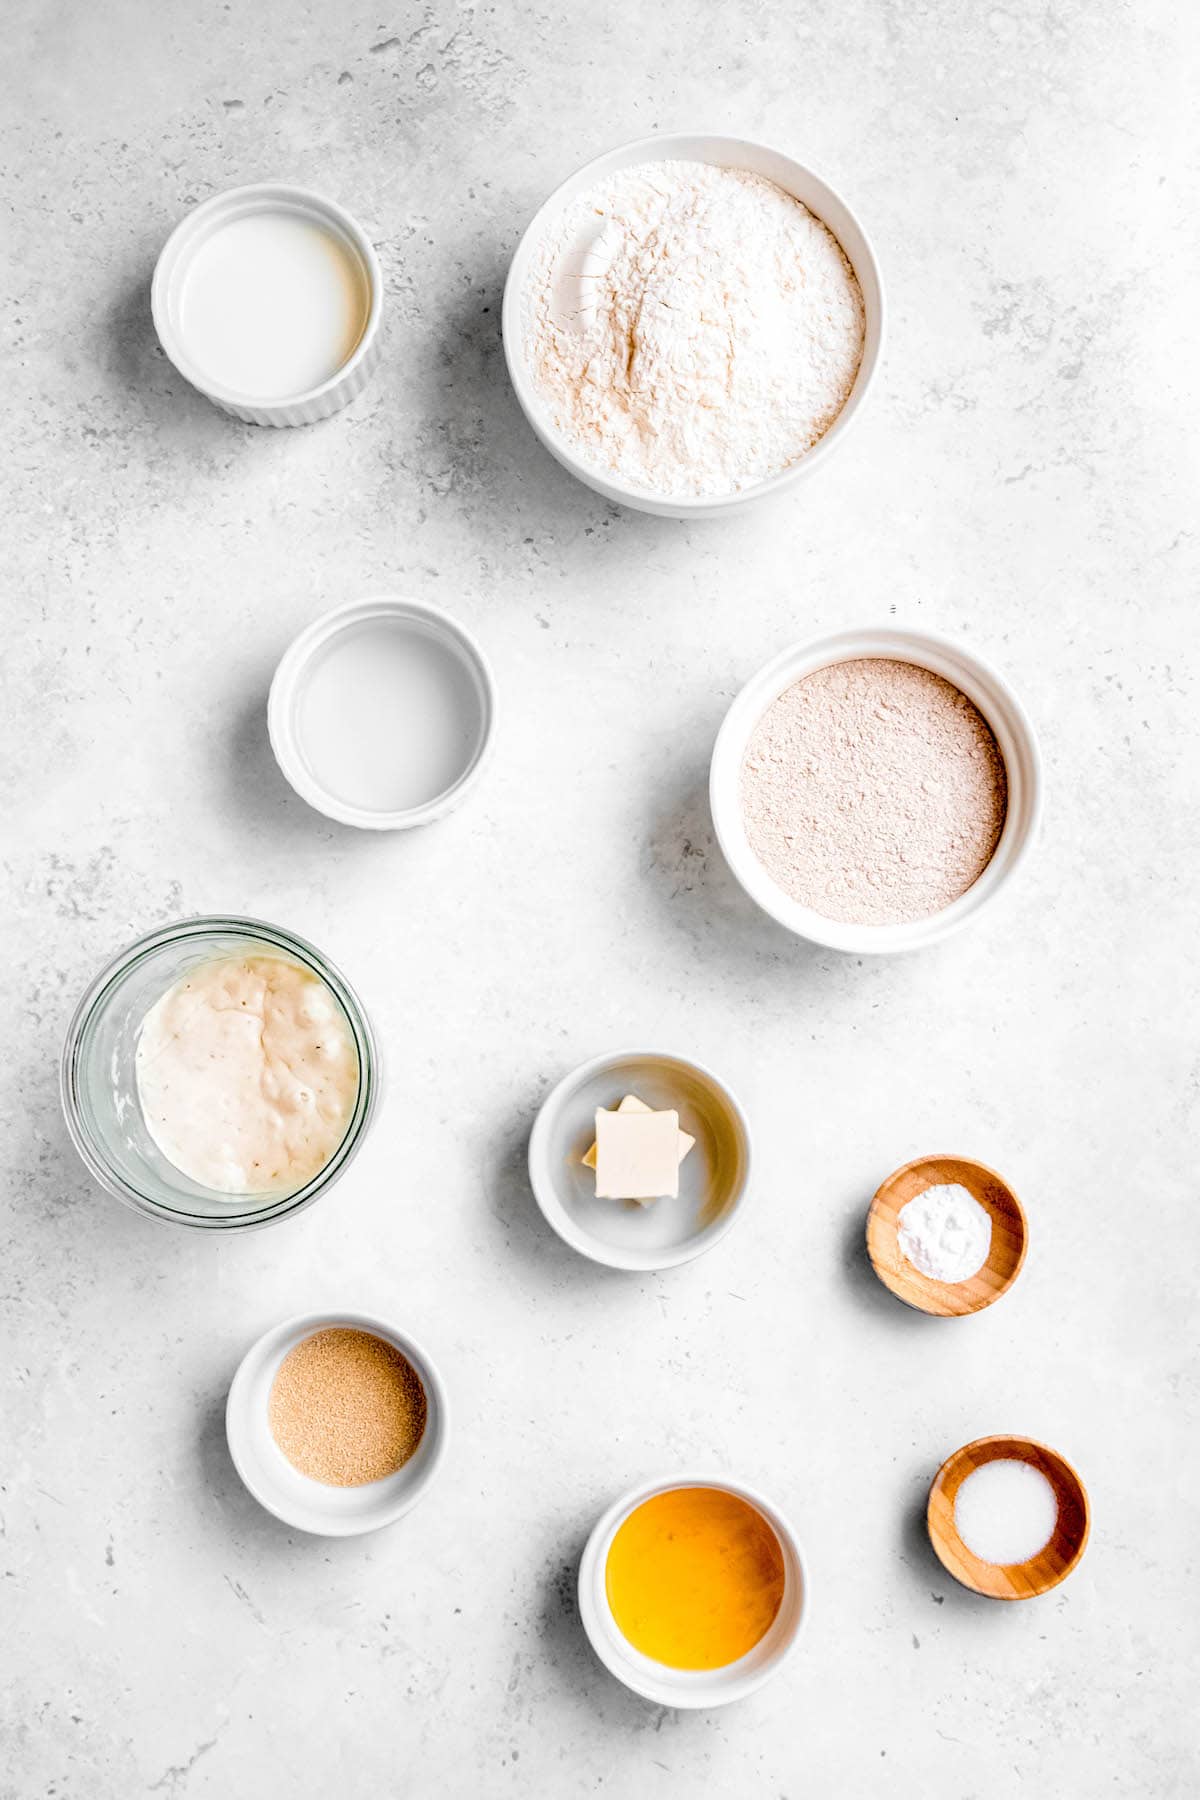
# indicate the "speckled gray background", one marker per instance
pixel 1025 477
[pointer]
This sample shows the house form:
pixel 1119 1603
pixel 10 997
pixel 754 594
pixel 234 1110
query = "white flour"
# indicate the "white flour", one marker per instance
pixel 692 329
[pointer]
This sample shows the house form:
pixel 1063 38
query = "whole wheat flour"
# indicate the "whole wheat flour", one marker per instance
pixel 873 791
pixel 692 329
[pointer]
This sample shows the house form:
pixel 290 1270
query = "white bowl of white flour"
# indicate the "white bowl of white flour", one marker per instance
pixel 691 323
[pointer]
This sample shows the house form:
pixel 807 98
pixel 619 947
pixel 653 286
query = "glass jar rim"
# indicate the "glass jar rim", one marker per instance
pixel 199 926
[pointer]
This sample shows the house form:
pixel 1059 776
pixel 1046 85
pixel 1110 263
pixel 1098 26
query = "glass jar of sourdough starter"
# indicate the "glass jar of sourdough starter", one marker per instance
pixel 99 1073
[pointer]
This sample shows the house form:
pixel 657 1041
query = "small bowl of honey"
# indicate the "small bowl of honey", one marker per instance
pixel 692 1590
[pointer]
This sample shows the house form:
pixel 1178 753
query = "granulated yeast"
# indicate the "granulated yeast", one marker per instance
pixel 346 1408
pixel 874 792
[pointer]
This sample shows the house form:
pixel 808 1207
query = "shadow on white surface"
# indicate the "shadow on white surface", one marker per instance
pixel 582 1679
pixel 540 1253
pixel 53 1191
pixel 145 376
pixel 247 1521
pixel 489 441
pixel 698 893
pixel 267 803
pixel 271 809
pixel 256 1535
pixel 917 1555
pixel 866 1288
pixel 475 434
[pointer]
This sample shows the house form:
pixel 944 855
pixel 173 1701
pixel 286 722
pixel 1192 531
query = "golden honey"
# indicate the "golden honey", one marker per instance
pixel 694 1578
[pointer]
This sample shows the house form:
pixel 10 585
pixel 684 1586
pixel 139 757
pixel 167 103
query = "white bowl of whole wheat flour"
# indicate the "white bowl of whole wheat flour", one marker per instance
pixel 875 790
pixel 691 323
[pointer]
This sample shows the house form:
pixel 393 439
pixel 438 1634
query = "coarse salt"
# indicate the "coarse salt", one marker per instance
pixel 1006 1511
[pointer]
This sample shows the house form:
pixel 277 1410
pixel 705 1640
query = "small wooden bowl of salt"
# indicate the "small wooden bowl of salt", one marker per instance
pixel 1008 1517
pixel 947 1235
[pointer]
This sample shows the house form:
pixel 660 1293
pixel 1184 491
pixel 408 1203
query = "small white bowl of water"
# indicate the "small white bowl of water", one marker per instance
pixel 382 712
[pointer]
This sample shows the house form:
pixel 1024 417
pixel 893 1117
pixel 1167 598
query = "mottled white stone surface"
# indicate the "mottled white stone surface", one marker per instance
pixel 1025 477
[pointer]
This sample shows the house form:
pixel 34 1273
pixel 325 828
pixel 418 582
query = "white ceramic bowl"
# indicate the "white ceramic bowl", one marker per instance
pixel 725 152
pixel 689 1687
pixel 170 278
pixel 476 693
pixel 713 1177
pixel 295 1498
pixel 996 701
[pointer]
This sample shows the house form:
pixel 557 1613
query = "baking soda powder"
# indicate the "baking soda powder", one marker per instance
pixel 945 1233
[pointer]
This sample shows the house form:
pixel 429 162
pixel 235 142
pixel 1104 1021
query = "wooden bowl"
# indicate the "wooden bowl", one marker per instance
pixel 948 1299
pixel 1010 1581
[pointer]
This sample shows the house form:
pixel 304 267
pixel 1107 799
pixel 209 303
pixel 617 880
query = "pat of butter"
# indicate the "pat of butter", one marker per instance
pixel 631 1103
pixel 636 1153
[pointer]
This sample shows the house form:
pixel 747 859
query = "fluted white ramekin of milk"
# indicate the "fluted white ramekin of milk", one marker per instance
pixel 268 299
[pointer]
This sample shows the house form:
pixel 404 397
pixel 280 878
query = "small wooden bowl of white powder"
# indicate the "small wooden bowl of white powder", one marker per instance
pixel 875 790
pixel 1008 1517
pixel 692 322
pixel 947 1235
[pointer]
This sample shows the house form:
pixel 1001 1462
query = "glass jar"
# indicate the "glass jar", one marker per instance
pixel 99 1081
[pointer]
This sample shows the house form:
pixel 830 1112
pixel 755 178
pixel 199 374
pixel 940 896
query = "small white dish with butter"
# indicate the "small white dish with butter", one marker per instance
pixel 640 1159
